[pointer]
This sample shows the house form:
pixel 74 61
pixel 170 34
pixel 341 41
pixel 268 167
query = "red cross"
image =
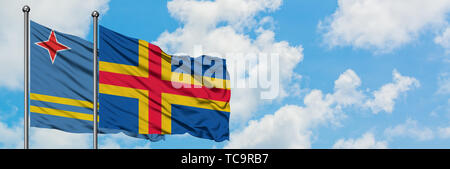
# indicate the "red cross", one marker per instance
pixel 155 85
pixel 52 45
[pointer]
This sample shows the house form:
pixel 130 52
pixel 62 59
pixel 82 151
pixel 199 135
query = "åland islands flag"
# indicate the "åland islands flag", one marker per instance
pixel 146 91
pixel 61 83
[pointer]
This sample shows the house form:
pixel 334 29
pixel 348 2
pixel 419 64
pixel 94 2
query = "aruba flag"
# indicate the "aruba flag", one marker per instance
pixel 61 83
pixel 60 80
pixel 146 91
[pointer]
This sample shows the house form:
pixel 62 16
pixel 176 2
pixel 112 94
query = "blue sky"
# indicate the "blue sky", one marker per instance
pixel 373 78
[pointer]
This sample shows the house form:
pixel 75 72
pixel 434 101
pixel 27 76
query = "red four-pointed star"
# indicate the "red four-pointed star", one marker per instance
pixel 52 45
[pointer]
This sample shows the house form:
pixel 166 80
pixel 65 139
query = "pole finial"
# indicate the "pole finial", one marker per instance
pixel 26 8
pixel 95 14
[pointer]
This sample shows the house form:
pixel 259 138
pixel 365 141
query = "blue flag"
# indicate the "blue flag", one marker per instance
pixel 61 83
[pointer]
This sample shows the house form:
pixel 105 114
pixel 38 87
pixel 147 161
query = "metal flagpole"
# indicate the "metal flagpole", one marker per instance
pixel 95 15
pixel 26 10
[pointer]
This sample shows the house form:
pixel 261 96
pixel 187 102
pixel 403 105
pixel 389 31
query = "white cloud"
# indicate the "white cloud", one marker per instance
pixel 345 89
pixel 11 136
pixel 410 129
pixel 206 14
pixel 384 97
pixel 221 28
pixel 286 128
pixel 444 39
pixel 444 83
pixel 291 126
pixel 444 132
pixel 382 25
pixel 56 139
pixel 73 17
pixel 366 141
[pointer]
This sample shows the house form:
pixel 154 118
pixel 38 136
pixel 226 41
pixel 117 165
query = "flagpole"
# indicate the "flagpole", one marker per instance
pixel 95 15
pixel 26 10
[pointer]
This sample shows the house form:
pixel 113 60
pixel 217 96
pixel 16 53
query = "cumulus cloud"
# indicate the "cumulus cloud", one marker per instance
pixel 382 25
pixel 345 89
pixel 384 98
pixel 291 126
pixel 52 13
pixel 284 129
pixel 206 14
pixel 366 141
pixel 410 129
pixel 221 28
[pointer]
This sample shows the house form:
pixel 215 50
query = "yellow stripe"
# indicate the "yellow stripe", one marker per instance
pixel 198 80
pixel 141 70
pixel 166 115
pixel 60 100
pixel 62 113
pixel 167 74
pixel 169 99
pixel 196 102
pixel 166 66
pixel 143 57
pixel 141 95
